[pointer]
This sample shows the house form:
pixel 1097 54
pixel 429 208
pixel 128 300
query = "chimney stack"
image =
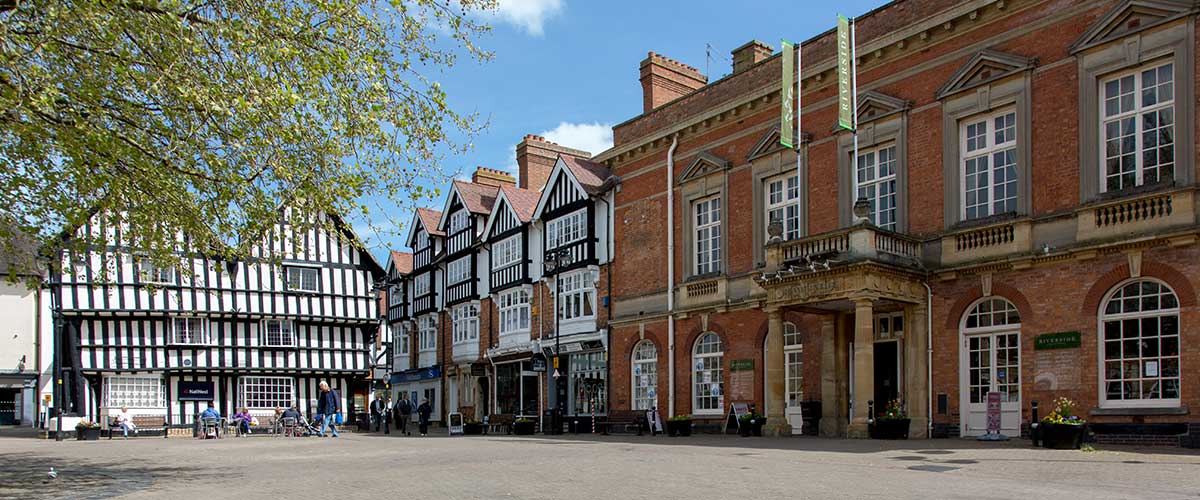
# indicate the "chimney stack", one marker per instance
pixel 535 160
pixel 664 80
pixel 492 177
pixel 750 54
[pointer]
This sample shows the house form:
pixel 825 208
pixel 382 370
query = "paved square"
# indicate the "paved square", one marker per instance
pixel 700 467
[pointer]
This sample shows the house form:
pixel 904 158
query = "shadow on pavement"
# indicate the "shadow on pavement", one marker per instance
pixel 25 476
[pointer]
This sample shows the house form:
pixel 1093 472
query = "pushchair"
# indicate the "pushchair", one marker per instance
pixel 305 427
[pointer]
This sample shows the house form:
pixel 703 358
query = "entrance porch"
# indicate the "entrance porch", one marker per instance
pixel 867 286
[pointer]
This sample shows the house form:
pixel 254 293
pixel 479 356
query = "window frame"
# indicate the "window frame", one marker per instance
pixel 264 332
pixel 576 292
pixel 464 324
pixel 244 383
pixel 788 201
pixel 205 329
pixel 134 403
pixel 506 252
pixel 718 400
pixel 151 273
pixel 459 270
pixel 637 362
pixel 711 259
pixel 988 153
pixel 894 178
pixel 1140 316
pixel 573 224
pixel 512 310
pixel 1137 114
pixel 427 333
pixel 422 284
pixel 298 286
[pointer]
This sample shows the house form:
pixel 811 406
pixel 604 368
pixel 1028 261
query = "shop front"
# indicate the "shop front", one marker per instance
pixel 420 384
pixel 17 399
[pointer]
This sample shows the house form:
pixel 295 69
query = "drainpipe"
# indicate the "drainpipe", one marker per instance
pixel 929 358
pixel 671 275
pixel 609 227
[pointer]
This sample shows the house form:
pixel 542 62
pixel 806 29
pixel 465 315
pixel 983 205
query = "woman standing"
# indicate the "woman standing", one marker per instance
pixel 423 413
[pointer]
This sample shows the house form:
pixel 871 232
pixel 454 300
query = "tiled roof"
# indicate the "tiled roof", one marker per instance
pixel 403 262
pixel 523 201
pixel 429 219
pixel 478 198
pixel 590 174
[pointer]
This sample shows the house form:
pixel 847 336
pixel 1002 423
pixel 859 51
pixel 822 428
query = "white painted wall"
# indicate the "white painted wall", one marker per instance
pixel 18 337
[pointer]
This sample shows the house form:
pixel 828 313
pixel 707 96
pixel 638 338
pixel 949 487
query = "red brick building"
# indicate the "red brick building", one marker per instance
pixel 1028 226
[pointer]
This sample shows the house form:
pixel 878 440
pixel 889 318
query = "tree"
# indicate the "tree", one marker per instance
pixel 206 117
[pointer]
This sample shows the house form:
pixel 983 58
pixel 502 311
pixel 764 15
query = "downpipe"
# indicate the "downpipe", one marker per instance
pixel 671 275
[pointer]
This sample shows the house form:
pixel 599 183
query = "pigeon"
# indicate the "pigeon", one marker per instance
pixel 53 474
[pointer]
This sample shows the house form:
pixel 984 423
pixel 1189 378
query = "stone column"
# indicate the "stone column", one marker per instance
pixel 777 424
pixel 864 366
pixel 842 337
pixel 916 368
pixel 831 401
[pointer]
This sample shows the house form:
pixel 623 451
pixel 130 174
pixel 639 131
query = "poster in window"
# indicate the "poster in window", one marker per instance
pixel 708 377
pixel 1151 368
pixel 645 380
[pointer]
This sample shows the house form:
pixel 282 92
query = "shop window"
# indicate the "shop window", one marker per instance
pixel 645 375
pixel 1140 346
pixel 708 357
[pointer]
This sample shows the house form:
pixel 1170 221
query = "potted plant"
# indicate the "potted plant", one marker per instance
pixel 744 424
pixel 523 427
pixel 892 423
pixel 87 430
pixel 1062 429
pixel 757 421
pixel 472 428
pixel 679 425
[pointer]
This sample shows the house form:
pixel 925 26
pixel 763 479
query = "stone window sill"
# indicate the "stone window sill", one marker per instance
pixel 1149 411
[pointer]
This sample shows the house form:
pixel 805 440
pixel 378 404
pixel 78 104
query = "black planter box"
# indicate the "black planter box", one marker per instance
pixel 523 428
pixel 891 428
pixel 1061 436
pixel 472 428
pixel 89 434
pixel 679 428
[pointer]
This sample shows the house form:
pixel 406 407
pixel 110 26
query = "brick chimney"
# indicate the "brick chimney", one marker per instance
pixel 750 54
pixel 492 177
pixel 664 80
pixel 535 160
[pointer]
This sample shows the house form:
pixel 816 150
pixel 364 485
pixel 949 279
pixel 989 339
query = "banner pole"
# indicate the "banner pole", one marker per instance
pixel 799 134
pixel 854 103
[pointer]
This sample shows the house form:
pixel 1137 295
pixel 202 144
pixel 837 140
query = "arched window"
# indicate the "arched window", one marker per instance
pixel 645 375
pixel 793 352
pixel 1139 328
pixel 708 390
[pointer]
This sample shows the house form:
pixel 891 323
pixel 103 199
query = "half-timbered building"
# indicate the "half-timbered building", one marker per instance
pixel 397 319
pixel 421 318
pixel 259 333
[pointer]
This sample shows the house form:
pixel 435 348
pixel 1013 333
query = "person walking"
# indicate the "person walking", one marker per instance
pixel 423 413
pixel 404 410
pixel 377 410
pixel 387 414
pixel 329 406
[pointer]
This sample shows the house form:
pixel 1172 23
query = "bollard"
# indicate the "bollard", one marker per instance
pixel 1033 423
pixel 870 411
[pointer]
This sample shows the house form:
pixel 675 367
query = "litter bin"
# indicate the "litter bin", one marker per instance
pixel 553 422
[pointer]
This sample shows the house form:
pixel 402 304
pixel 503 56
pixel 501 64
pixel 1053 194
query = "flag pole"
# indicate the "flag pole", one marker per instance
pixel 799 133
pixel 854 102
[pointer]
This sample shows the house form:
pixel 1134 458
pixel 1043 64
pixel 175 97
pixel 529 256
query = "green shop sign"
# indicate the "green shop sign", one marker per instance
pixel 741 365
pixel 1059 340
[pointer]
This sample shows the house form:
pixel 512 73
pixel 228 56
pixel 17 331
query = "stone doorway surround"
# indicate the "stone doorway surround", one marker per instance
pixel 846 276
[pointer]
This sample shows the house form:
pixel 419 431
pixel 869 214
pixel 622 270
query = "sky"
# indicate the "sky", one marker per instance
pixel 568 69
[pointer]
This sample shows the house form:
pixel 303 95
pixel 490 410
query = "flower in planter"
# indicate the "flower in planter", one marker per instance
pixel 524 421
pixel 1063 413
pixel 893 411
pixel 680 418
pixel 87 424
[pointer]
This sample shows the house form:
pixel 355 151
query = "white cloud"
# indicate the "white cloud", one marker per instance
pixel 590 137
pixel 529 15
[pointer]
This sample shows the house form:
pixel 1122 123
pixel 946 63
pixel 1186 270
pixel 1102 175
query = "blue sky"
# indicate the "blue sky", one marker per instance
pixel 568 69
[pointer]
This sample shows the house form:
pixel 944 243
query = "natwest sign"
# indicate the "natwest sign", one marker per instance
pixel 195 391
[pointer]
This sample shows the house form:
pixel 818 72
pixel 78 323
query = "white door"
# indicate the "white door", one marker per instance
pixel 794 359
pixel 991 362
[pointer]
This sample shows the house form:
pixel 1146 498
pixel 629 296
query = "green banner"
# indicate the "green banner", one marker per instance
pixel 1058 340
pixel 741 365
pixel 845 74
pixel 787 95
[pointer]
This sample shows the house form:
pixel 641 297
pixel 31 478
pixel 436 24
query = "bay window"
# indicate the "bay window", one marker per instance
pixel 459 270
pixel 576 296
pixel 514 311
pixel 465 323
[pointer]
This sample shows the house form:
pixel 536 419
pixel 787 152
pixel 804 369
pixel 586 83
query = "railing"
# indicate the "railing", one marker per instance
pixel 702 288
pixel 984 237
pixel 1137 210
pixel 862 242
pixel 896 245
pixel 835 242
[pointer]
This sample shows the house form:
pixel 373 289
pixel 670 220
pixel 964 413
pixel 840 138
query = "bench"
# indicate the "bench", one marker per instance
pixel 500 422
pixel 141 423
pixel 622 420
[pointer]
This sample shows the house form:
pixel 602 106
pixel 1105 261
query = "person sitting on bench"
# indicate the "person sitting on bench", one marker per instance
pixel 243 420
pixel 123 420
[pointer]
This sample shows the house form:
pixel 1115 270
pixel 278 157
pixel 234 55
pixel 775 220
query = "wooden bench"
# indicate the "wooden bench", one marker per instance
pixel 141 423
pixel 622 420
pixel 501 422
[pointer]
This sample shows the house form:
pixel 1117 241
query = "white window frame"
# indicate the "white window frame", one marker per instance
pixel 707 230
pixel 427 333
pixel 149 272
pixel 702 362
pixel 1140 316
pixel 514 311
pixel 993 317
pixel 296 277
pixel 465 323
pixel 193 337
pixel 868 163
pixel 459 271
pixel 984 149
pixel 264 335
pixel 793 343
pixel 458 221
pixel 782 196
pixel 129 384
pixel 567 229
pixel 506 252
pixel 268 395
pixel 576 296
pixel 1137 112
pixel 421 284
pixel 396 295
pixel 644 362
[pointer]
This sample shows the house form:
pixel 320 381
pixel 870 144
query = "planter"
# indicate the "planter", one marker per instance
pixel 1061 436
pixel 523 428
pixel 89 434
pixel 744 430
pixel 472 428
pixel 891 428
pixel 756 426
pixel 679 428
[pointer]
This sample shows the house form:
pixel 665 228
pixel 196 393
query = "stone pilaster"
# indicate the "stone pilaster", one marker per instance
pixel 777 424
pixel 864 366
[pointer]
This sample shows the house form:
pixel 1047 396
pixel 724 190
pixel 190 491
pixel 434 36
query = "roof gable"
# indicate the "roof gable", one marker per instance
pixel 424 219
pixel 1132 16
pixel 705 164
pixel 401 262
pixel 985 67
pixel 476 198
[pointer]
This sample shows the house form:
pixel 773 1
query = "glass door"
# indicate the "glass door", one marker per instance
pixel 992 364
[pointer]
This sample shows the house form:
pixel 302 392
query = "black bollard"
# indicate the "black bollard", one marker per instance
pixel 870 411
pixel 1033 423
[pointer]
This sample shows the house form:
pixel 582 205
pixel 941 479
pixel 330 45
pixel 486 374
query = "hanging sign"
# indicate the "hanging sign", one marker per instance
pixel 538 364
pixel 787 92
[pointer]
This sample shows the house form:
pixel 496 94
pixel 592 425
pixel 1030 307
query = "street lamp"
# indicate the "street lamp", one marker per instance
pixel 553 263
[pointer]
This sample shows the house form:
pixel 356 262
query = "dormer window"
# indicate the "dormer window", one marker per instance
pixel 566 229
pixel 459 221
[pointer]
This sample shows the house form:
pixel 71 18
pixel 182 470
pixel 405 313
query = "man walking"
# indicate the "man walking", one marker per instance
pixel 329 405
pixel 377 410
pixel 404 411
pixel 423 413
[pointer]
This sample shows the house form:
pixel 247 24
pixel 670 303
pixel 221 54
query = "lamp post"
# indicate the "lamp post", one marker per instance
pixel 554 261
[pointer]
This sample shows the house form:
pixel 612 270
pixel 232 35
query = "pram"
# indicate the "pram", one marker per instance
pixel 305 427
pixel 299 427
